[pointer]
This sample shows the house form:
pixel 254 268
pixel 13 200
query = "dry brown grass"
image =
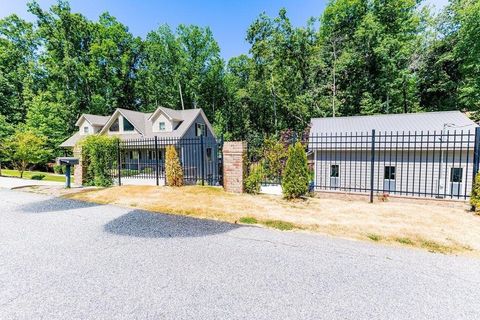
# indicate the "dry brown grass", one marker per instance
pixel 434 227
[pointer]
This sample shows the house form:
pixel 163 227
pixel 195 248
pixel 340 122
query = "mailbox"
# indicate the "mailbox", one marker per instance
pixel 68 162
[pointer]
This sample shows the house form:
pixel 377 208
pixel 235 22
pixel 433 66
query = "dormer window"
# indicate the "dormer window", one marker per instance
pixel 127 125
pixel 161 126
pixel 114 127
pixel 200 130
pixel 85 130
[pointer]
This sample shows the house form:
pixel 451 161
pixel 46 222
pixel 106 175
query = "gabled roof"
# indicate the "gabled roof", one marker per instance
pixel 137 119
pixel 424 121
pixel 186 117
pixel 94 120
pixel 143 123
pixel 170 113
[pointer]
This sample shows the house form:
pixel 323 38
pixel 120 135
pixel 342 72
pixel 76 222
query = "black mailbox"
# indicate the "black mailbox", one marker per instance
pixel 68 162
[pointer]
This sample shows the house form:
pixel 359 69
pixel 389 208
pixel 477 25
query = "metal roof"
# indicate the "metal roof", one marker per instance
pixel 425 121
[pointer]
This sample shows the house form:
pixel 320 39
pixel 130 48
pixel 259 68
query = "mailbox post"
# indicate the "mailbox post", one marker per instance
pixel 68 162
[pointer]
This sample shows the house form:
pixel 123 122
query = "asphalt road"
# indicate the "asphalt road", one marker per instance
pixel 63 259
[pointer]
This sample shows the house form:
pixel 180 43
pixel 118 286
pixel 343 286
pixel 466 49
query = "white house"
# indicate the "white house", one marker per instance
pixel 427 154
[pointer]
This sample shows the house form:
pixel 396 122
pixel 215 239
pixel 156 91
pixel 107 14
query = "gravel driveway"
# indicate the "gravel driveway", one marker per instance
pixel 61 259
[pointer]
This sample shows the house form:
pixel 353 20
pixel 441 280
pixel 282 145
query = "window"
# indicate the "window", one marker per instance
pixel 161 126
pixel 389 173
pixel 334 171
pixel 200 130
pixel 209 154
pixel 151 155
pixel 456 174
pixel 85 129
pixel 114 127
pixel 127 126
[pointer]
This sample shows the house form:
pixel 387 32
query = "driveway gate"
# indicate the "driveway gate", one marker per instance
pixel 142 161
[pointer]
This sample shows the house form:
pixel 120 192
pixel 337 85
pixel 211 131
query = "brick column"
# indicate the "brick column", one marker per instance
pixel 234 168
pixel 79 170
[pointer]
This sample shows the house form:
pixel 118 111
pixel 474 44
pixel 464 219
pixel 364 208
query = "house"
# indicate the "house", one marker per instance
pixel 144 137
pixel 427 154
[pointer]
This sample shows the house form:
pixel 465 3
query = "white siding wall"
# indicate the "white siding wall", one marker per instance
pixel 84 124
pixel 415 176
pixel 162 118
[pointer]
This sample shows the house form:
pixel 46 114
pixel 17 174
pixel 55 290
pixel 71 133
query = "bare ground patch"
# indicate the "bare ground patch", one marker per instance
pixel 430 226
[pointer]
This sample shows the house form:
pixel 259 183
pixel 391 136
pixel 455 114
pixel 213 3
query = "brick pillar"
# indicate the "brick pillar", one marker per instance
pixel 234 168
pixel 79 170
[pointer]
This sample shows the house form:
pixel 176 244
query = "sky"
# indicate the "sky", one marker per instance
pixel 228 19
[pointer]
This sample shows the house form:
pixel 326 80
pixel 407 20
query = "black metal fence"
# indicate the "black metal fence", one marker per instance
pixel 142 161
pixel 438 164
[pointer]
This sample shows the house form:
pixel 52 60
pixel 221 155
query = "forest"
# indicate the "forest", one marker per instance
pixel 356 57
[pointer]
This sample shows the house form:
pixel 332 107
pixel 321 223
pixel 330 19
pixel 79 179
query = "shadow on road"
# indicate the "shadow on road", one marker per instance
pixel 144 224
pixel 55 205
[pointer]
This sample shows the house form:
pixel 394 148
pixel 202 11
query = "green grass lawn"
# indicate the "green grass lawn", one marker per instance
pixel 28 175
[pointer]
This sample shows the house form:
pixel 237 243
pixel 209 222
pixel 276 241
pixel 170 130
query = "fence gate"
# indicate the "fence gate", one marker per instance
pixel 142 161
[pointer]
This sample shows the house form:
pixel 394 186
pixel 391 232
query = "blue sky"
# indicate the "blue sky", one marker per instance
pixel 228 19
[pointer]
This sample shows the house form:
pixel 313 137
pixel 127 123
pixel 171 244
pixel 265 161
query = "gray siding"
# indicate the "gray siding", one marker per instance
pixel 423 175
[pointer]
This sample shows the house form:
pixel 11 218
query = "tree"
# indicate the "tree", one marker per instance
pixel 17 54
pixel 5 131
pixel 181 69
pixel 26 148
pixel 295 176
pixel 99 155
pixel 173 168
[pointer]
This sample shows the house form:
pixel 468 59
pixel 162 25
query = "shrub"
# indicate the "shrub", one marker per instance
pixel 248 220
pixel 58 169
pixel 253 182
pixel 38 177
pixel 475 195
pixel 173 169
pixel 295 176
pixel 99 154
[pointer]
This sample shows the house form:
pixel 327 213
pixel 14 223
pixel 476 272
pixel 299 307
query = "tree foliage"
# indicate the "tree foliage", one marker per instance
pixel 295 176
pixel 355 57
pixel 25 148
pixel 173 168
pixel 99 155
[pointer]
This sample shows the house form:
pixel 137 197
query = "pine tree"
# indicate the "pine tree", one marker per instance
pixel 295 175
pixel 173 169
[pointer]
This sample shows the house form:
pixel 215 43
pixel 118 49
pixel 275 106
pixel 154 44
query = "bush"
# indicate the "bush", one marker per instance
pixel 99 154
pixel 295 176
pixel 173 169
pixel 253 182
pixel 38 177
pixel 475 195
pixel 58 169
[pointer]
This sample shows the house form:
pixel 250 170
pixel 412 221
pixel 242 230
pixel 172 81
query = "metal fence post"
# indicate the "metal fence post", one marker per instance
pixel 157 163
pixel 372 165
pixel 202 161
pixel 119 164
pixel 476 153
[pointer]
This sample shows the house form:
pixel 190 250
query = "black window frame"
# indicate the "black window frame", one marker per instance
pixel 209 154
pixel 453 174
pixel 203 131
pixel 389 172
pixel 86 130
pixel 334 171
